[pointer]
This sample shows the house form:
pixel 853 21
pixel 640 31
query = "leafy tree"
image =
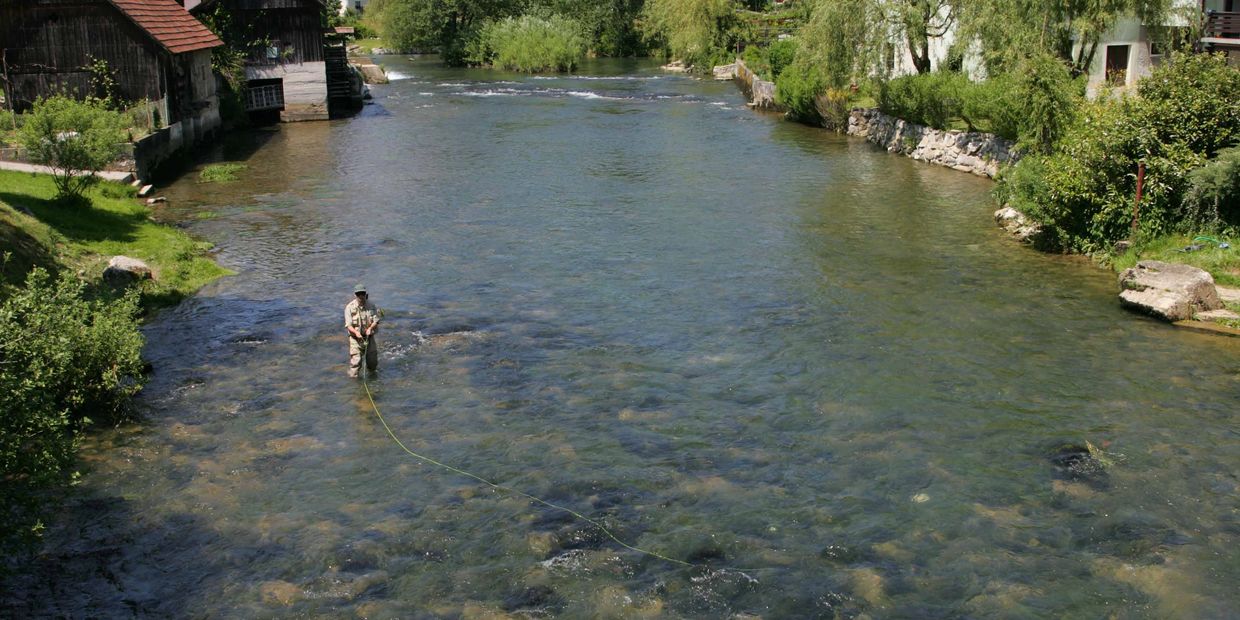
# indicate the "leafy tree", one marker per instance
pixel 694 31
pixel 75 138
pixel 610 25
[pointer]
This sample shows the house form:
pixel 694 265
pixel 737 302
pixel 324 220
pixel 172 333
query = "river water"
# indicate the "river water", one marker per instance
pixel 816 371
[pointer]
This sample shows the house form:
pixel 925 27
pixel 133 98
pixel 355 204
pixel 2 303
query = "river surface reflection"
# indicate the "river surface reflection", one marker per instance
pixel 814 369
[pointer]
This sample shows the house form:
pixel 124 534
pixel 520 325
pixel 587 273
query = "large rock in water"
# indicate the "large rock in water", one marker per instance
pixel 123 271
pixel 1169 291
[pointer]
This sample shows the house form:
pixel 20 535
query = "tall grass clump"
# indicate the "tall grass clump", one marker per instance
pixel 531 44
pixel 221 173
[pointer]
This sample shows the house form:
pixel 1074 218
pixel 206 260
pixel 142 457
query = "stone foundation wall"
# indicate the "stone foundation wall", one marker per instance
pixel 975 152
pixel 305 89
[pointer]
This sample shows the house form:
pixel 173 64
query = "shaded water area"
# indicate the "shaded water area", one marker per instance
pixel 815 370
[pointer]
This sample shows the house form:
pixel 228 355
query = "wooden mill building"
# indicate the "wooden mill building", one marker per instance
pixel 150 50
pixel 289 67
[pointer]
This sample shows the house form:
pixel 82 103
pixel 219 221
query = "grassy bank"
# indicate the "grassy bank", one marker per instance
pixel 83 237
pixel 368 45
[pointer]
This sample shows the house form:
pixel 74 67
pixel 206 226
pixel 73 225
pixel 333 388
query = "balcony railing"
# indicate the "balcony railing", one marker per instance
pixel 1222 25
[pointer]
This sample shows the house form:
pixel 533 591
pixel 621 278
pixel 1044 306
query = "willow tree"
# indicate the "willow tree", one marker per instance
pixel 843 40
pixel 1071 30
pixel 852 39
pixel 694 31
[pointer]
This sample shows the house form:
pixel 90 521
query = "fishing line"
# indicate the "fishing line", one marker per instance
pixel 500 487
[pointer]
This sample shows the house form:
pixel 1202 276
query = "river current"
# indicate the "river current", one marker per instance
pixel 814 370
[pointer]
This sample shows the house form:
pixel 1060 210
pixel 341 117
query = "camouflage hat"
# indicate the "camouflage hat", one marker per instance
pixel 360 288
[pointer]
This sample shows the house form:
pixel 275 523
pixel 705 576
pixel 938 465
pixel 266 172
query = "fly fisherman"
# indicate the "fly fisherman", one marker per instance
pixel 361 318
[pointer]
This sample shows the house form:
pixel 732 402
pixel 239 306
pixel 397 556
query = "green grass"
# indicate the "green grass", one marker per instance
pixel 221 173
pixel 1223 264
pixel 82 237
pixel 368 45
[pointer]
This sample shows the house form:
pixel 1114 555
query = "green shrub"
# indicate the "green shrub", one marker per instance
pixel 530 44
pixel 75 138
pixel 931 99
pixel 993 106
pixel 755 58
pixel 796 89
pixel 780 55
pixel 10 121
pixel 1194 99
pixel 64 361
pixel 1212 201
pixel 1085 198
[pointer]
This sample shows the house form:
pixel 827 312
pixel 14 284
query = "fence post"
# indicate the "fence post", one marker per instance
pixel 1136 207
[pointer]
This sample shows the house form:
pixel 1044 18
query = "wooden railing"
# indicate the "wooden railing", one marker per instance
pixel 1221 25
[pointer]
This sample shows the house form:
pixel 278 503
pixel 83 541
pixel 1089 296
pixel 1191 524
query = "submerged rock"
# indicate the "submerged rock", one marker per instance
pixel 1170 291
pixel 1081 463
pixel 534 599
pixel 840 554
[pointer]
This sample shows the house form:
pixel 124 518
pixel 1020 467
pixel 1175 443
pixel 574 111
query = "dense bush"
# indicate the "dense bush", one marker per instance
pixel 75 138
pixel 797 87
pixel 1194 99
pixel 1083 192
pixel 779 56
pixel 530 43
pixel 931 99
pixel 1033 106
pixel 1212 200
pixel 64 361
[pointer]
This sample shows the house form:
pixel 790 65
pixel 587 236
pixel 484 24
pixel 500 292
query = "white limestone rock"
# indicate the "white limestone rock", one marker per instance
pixel 123 271
pixel 1017 224
pixel 1170 291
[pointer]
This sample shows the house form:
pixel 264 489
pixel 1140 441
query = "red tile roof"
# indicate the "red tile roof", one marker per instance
pixel 169 24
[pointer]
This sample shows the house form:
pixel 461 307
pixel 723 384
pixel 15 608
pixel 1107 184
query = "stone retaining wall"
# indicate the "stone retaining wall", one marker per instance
pixel 761 92
pixel 975 152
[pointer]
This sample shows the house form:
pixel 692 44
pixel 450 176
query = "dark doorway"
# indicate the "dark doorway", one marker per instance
pixel 1117 64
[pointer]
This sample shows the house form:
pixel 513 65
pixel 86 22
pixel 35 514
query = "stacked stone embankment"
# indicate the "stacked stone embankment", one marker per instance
pixel 967 151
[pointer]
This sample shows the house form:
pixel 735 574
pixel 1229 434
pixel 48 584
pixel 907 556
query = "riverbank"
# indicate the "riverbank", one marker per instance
pixel 995 157
pixel 81 238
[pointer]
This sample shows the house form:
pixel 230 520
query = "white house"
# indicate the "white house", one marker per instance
pixel 1126 53
pixel 358 6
